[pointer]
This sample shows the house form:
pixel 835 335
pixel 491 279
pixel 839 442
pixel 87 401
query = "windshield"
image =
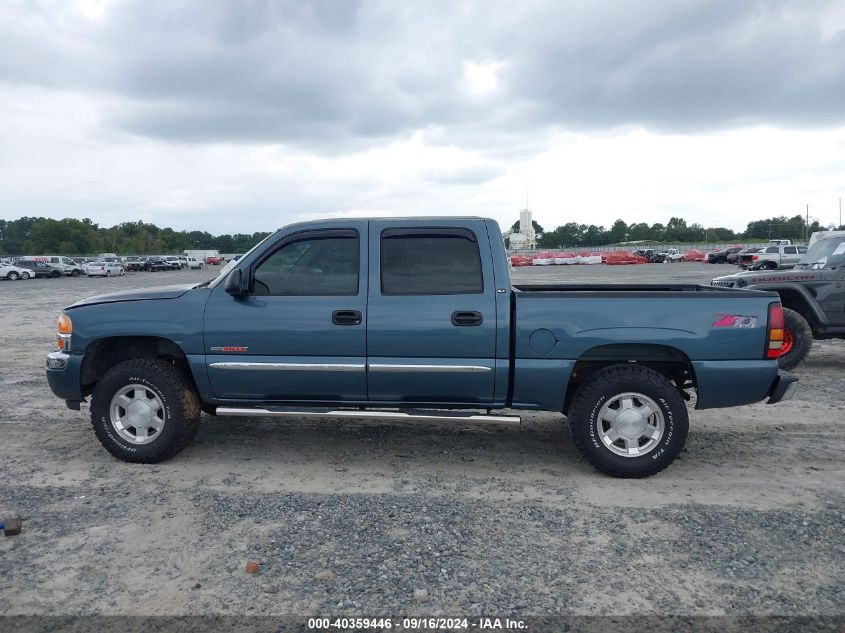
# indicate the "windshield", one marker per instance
pixel 828 253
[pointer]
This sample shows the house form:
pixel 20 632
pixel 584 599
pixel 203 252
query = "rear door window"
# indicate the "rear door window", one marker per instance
pixel 430 262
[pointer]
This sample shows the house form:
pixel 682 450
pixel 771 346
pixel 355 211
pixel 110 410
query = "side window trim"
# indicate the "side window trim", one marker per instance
pixel 300 236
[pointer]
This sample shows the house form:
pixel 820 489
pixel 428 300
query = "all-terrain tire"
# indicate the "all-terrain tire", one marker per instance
pixel 181 406
pixel 800 333
pixel 612 381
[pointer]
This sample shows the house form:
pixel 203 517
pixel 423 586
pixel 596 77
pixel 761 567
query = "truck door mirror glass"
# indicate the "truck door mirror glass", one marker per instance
pixel 235 285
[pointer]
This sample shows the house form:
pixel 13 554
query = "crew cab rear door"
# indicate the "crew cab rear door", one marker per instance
pixel 431 313
pixel 300 332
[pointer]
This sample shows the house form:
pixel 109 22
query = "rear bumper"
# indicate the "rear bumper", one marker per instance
pixel 783 388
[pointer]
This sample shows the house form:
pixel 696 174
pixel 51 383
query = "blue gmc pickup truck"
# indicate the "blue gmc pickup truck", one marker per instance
pixel 414 318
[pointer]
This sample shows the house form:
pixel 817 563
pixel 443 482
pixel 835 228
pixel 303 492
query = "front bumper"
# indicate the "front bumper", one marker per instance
pixel 783 388
pixel 63 371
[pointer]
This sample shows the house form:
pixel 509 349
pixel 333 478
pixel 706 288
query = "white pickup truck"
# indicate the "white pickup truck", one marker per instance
pixel 772 257
pixel 672 255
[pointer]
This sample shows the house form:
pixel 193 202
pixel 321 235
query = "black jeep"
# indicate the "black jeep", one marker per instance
pixel 812 293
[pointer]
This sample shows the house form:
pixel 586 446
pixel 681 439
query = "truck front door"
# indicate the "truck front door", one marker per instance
pixel 431 327
pixel 300 332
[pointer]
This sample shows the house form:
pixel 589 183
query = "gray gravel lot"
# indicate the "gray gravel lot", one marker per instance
pixel 385 519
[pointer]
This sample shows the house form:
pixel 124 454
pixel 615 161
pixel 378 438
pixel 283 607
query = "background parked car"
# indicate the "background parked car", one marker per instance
pixel 134 262
pixel 212 261
pixel 671 255
pixel 734 258
pixel 173 262
pixel 651 255
pixel 721 256
pixel 11 272
pixel 193 262
pixel 66 265
pixel 105 269
pixel 156 263
pixel 42 269
pixel 773 257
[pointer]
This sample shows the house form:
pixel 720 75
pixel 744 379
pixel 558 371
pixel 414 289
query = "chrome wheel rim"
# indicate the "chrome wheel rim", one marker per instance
pixel 630 424
pixel 137 414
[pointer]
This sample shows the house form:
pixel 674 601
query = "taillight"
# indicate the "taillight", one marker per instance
pixel 755 257
pixel 775 333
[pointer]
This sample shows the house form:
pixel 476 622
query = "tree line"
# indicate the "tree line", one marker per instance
pixel 42 236
pixel 34 236
pixel 676 230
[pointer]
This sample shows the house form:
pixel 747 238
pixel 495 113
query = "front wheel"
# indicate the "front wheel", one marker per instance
pixel 144 411
pixel 108 273
pixel 55 274
pixel 13 275
pixel 797 340
pixel 628 421
pixel 75 273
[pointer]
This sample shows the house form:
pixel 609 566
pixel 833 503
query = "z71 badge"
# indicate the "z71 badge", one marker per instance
pixel 734 320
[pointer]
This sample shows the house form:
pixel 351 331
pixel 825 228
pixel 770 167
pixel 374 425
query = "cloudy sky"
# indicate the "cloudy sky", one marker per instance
pixel 243 116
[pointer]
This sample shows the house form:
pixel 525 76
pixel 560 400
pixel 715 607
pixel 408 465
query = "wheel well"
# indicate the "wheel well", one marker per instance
pixel 667 360
pixel 105 353
pixel 794 301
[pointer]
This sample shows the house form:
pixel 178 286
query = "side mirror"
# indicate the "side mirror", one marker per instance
pixel 235 284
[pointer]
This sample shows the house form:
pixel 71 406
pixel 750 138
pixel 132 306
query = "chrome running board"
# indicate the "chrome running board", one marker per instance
pixel 373 414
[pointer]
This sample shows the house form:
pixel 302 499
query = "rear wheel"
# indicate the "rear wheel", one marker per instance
pixel 797 340
pixel 628 421
pixel 55 274
pixel 144 410
pixel 13 275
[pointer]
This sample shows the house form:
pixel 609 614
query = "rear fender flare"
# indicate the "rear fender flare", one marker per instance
pixel 808 299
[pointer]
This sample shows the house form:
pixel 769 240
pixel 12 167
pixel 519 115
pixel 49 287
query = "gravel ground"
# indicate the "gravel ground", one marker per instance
pixel 375 518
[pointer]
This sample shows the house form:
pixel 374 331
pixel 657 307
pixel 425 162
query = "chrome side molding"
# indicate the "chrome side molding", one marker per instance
pixel 374 414
pixel 290 366
pixel 444 369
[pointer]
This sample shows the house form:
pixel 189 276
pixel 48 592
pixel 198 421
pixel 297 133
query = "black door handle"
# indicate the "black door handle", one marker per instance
pixel 346 317
pixel 464 319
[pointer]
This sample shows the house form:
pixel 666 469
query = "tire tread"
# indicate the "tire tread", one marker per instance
pixel 187 406
pixel 586 395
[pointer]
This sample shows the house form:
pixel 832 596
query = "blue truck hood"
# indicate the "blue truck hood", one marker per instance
pixel 139 294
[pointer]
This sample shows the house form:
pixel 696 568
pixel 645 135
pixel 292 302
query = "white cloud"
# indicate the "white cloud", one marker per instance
pixel 213 117
pixel 482 78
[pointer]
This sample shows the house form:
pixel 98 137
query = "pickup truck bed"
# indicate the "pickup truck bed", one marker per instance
pixel 398 314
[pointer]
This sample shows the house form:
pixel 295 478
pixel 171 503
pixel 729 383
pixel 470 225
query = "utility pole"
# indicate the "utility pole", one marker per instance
pixel 840 213
pixel 807 225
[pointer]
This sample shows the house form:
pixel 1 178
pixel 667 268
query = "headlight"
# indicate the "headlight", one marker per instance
pixel 64 330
